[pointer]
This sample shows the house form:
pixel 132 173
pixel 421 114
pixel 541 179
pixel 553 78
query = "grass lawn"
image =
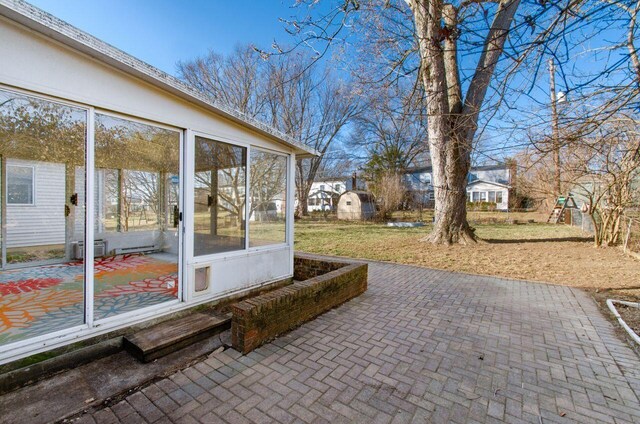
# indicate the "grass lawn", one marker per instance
pixel 536 252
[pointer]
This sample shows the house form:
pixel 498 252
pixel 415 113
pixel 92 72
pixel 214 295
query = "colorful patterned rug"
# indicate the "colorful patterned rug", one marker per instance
pixel 41 300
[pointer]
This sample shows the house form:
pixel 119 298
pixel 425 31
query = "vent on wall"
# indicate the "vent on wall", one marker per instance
pixel 99 249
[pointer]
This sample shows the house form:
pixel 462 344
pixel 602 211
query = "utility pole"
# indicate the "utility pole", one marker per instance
pixel 555 136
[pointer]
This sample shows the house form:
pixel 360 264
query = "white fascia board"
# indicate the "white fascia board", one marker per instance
pixel 60 31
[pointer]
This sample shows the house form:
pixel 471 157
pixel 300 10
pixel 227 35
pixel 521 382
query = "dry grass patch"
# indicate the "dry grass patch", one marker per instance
pixel 536 252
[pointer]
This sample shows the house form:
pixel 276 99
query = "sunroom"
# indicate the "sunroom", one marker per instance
pixel 124 194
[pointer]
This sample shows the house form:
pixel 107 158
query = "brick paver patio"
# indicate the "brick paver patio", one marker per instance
pixel 420 346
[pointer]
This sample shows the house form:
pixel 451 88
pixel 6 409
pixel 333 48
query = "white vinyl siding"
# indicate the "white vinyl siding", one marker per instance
pixel 42 222
pixel 485 191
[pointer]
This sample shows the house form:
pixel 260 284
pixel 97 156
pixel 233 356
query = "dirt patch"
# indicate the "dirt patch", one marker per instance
pixel 630 315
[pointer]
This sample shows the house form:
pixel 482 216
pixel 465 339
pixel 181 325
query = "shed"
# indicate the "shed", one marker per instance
pixel 356 205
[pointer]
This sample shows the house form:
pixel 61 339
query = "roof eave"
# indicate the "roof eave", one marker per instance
pixel 56 29
pixel 488 182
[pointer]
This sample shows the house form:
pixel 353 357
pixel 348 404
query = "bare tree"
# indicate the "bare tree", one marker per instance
pixel 453 119
pixel 267 182
pixel 422 38
pixel 389 191
pixel 311 106
pixel 391 130
pixel 607 169
pixel 236 80
pixel 591 96
pixel 288 92
pixel 339 161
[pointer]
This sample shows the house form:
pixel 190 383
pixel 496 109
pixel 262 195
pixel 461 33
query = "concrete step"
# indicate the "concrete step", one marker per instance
pixel 170 336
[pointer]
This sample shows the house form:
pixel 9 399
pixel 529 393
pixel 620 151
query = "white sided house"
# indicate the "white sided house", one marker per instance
pixel 324 194
pixel 491 183
pixel 125 195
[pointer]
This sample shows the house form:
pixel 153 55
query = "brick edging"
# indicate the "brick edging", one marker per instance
pixel 327 284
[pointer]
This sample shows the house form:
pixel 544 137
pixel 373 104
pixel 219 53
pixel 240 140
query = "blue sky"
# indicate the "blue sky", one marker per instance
pixel 162 32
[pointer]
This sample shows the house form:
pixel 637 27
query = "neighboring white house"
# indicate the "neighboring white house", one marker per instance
pixel 324 194
pixel 488 191
pixel 489 183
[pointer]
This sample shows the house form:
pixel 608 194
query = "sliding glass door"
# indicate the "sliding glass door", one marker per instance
pixel 136 187
pixel 137 215
pixel 42 180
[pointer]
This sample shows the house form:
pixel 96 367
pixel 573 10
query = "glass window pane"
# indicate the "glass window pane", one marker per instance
pixel 492 196
pixel 268 191
pixel 498 197
pixel 219 197
pixel 136 215
pixel 20 185
pixel 42 151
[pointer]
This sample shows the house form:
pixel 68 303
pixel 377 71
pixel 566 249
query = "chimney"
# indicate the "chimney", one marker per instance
pixel 513 191
pixel 513 169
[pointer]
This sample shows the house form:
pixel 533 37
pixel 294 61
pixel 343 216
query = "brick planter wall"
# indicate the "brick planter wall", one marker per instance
pixel 307 266
pixel 328 284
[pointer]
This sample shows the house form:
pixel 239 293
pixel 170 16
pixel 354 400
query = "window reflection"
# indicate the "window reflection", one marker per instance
pixel 42 180
pixel 219 197
pixel 268 187
pixel 136 215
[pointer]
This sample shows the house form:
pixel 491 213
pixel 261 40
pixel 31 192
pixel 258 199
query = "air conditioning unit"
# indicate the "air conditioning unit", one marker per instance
pixel 99 249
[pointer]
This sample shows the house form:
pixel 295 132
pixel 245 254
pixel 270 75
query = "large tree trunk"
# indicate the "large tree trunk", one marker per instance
pixel 303 199
pixel 450 170
pixel 450 157
pixel 452 122
pixel 451 224
pixel 303 185
pixel 451 161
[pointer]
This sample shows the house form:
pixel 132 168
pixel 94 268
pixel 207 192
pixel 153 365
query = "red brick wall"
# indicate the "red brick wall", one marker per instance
pixel 262 318
pixel 307 266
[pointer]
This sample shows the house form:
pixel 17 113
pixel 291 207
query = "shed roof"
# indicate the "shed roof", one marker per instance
pixel 57 29
pixel 364 196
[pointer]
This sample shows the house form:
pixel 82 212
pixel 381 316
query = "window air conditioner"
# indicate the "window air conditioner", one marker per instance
pixel 99 249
